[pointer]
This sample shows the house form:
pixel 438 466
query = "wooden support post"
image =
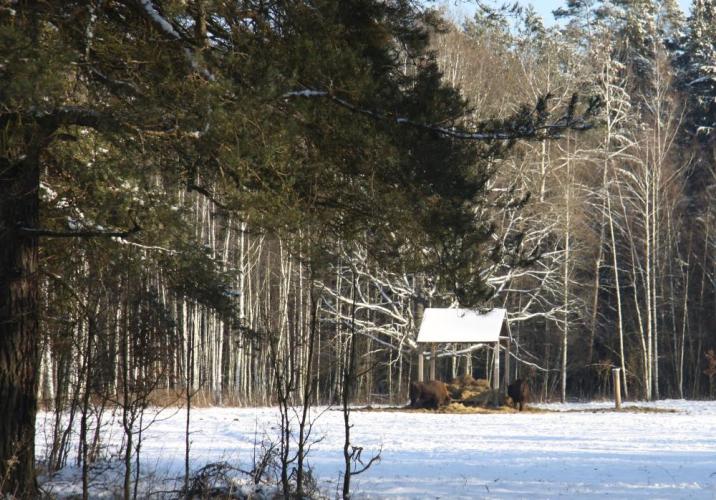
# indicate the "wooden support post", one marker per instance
pixel 617 388
pixel 453 363
pixel 508 348
pixel 468 363
pixel 421 364
pixel 496 372
pixel 496 366
pixel 433 349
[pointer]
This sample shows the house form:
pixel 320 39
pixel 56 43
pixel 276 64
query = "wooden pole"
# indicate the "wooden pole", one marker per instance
pixel 496 372
pixel 433 349
pixel 617 388
pixel 508 348
pixel 468 363
pixel 421 364
pixel 496 366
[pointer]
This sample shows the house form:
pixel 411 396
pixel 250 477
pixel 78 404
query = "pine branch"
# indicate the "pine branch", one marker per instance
pixel 53 119
pixel 48 233
pixel 533 128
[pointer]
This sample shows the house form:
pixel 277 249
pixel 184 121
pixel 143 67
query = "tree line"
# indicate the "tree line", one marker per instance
pixel 624 212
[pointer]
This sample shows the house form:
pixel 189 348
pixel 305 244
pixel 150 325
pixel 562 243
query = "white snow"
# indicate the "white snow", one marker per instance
pixel 48 194
pixel 167 27
pixel 571 452
pixel 460 325
pixel 305 93
pixel 163 23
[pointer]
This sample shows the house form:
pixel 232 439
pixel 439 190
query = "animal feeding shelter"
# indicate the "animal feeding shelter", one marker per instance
pixel 464 326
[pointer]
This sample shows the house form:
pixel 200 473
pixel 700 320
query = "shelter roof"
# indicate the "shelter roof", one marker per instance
pixel 461 325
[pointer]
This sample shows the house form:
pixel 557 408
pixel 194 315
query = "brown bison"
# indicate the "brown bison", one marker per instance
pixel 519 391
pixel 430 394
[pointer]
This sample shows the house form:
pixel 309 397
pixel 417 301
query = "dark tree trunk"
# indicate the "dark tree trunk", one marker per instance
pixel 19 339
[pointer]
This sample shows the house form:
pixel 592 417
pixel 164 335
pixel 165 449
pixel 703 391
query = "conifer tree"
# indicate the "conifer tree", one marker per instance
pixel 697 71
pixel 328 120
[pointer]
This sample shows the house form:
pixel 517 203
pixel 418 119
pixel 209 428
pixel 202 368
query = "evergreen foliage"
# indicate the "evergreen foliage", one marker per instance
pixel 254 200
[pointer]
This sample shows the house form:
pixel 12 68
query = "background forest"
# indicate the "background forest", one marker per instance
pixel 251 202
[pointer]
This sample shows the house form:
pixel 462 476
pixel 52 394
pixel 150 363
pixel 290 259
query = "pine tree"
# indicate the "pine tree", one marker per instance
pixel 697 71
pixel 71 89
pixel 318 123
pixel 696 79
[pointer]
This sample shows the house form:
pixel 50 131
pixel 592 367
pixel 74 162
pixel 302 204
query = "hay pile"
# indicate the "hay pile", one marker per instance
pixel 473 393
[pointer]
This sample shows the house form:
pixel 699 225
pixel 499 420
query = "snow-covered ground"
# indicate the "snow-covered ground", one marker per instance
pixel 425 455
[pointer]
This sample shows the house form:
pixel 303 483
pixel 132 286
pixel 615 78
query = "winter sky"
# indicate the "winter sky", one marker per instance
pixel 464 8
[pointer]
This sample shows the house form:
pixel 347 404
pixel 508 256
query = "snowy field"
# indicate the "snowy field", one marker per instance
pixel 564 453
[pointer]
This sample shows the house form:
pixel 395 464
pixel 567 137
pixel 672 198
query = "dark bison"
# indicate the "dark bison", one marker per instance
pixel 430 394
pixel 519 391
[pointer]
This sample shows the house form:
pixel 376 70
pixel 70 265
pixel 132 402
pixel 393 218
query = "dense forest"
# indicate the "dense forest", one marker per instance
pixel 251 202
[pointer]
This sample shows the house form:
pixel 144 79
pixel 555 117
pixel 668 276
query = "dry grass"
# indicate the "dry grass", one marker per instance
pixel 454 408
pixel 168 398
pixel 199 399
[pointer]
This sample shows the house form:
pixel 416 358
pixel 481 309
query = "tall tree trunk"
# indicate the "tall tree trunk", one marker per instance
pixel 567 236
pixel 648 249
pixel 348 382
pixel 565 330
pixel 595 296
pixel 685 322
pixel 304 424
pixel 19 334
pixel 617 288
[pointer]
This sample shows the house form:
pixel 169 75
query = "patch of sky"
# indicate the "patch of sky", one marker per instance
pixel 462 9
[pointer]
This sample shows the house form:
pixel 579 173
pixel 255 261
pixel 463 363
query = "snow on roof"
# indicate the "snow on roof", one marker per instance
pixel 461 325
